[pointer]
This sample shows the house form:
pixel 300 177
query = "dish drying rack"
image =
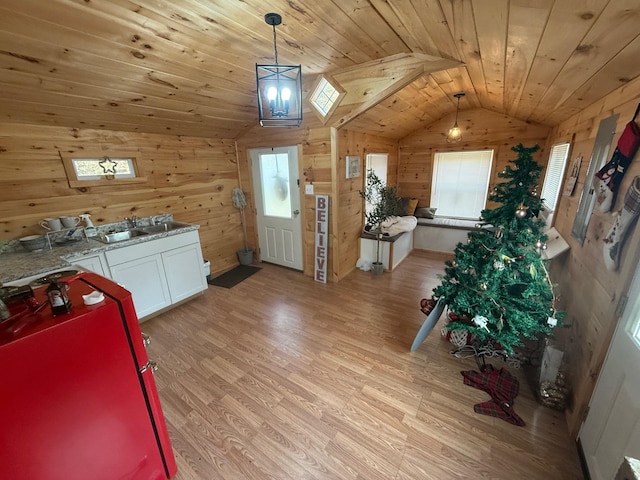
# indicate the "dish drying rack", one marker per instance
pixel 66 236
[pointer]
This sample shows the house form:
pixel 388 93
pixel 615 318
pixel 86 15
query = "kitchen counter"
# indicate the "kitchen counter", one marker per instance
pixel 14 266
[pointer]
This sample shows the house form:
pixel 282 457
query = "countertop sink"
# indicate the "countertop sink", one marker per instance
pixel 163 227
pixel 138 231
pixel 120 236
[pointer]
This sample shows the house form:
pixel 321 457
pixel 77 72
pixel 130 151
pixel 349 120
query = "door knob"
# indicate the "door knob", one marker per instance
pixel 296 212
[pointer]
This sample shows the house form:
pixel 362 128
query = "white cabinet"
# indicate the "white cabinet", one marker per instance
pixel 145 279
pixel 96 262
pixel 183 267
pixel 159 272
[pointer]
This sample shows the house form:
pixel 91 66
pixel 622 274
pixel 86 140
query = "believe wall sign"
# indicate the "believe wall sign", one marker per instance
pixel 322 238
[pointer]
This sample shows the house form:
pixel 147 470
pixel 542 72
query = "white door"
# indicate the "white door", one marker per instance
pixel 611 430
pixel 277 195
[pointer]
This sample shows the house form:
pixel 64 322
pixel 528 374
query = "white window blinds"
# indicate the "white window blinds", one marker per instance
pixel 460 183
pixel 553 175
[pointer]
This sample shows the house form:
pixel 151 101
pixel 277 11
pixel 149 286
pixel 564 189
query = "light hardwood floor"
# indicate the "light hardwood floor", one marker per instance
pixel 284 378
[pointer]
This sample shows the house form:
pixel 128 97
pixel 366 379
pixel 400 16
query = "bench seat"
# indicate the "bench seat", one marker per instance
pixel 441 234
pixel 393 249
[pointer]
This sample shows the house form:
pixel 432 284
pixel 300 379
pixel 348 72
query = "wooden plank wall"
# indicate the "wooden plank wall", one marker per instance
pixel 187 176
pixel 590 292
pixel 318 168
pixel 350 204
pixel 481 129
pixel 315 168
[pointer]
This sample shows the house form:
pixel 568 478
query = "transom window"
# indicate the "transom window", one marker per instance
pixel 326 96
pixel 89 170
pixel 96 168
pixel 460 183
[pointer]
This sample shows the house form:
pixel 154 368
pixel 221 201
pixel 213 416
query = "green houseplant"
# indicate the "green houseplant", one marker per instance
pixel 383 202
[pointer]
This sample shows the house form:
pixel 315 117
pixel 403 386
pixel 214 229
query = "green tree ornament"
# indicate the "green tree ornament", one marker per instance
pixel 499 277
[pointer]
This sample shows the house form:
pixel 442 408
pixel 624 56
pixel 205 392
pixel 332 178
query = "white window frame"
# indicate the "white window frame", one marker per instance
pixel 453 166
pixel 554 175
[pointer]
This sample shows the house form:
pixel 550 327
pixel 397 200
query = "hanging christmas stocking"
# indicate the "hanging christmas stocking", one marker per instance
pixel 607 180
pixel 625 220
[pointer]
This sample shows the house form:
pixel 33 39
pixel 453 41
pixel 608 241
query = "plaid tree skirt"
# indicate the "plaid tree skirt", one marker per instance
pixel 503 389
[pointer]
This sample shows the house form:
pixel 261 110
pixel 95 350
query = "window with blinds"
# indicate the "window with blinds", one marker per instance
pixel 553 175
pixel 460 183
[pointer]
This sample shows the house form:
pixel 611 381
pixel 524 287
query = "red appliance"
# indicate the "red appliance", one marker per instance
pixel 78 399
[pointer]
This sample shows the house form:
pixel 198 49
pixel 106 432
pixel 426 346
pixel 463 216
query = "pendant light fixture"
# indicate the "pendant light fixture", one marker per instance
pixel 279 88
pixel 455 134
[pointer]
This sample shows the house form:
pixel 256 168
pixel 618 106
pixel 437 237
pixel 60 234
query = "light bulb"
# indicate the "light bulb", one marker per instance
pixel 455 134
pixel 286 94
pixel 272 93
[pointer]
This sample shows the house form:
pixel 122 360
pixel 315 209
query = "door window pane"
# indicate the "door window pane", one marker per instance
pixel 633 306
pixel 635 327
pixel 274 175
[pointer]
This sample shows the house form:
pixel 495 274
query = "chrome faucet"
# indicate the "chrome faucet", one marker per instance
pixel 132 221
pixel 160 218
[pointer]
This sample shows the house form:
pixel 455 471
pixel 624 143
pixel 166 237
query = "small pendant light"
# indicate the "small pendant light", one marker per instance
pixel 455 134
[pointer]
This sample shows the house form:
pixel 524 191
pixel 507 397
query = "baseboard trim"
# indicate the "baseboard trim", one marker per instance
pixel 583 460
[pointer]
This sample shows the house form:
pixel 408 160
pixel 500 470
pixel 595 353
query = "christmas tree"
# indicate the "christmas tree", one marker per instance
pixel 498 287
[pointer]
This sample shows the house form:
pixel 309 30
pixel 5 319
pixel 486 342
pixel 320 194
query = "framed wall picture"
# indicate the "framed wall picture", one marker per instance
pixel 570 184
pixel 353 166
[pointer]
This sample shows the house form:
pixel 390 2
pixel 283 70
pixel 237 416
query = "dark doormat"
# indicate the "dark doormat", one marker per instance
pixel 234 276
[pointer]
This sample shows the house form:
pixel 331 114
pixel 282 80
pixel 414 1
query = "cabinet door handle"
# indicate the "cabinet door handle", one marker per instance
pixel 149 365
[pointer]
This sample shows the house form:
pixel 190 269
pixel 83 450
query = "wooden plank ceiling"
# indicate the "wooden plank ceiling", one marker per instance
pixel 187 67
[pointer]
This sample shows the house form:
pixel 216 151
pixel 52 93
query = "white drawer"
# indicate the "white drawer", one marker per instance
pixel 150 247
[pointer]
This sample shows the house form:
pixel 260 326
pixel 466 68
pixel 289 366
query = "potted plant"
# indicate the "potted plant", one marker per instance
pixel 245 255
pixel 383 203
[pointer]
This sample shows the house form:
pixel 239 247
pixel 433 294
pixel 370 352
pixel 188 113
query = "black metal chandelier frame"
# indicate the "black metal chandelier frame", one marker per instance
pixel 279 88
